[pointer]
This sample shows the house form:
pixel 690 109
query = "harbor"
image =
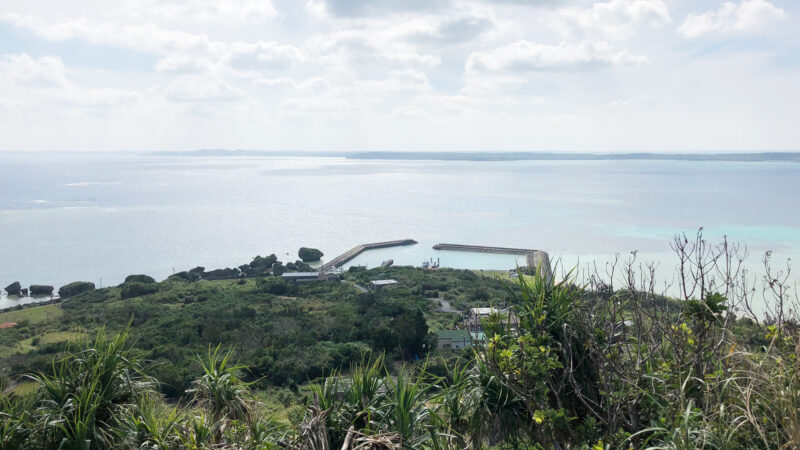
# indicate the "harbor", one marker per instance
pixel 534 258
pixel 457 256
pixel 347 256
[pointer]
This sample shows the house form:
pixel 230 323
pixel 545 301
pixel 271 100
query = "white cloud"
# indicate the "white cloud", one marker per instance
pixel 25 70
pixel 524 56
pixel 311 85
pixel 613 19
pixel 372 49
pixel 279 82
pixel 42 82
pixel 199 89
pixel 205 11
pixel 147 37
pixel 748 15
pixel 460 27
pixel 262 55
pixel 183 64
pixel 403 74
pixel 103 98
pixel 182 52
pixel 356 8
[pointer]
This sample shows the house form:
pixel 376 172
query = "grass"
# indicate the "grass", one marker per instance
pixel 57 336
pixel 18 347
pixel 34 315
pixel 24 388
pixel 27 345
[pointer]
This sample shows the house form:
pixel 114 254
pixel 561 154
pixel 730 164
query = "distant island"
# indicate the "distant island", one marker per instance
pixel 506 156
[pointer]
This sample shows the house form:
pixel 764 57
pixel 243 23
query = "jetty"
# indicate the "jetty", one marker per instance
pixel 534 258
pixel 357 250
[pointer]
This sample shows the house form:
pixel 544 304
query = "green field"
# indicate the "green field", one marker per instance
pixel 56 336
pixel 27 345
pixel 37 314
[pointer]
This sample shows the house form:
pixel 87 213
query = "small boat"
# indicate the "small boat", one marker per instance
pixel 387 263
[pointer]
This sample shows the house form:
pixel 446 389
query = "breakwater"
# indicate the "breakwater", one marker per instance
pixel 534 258
pixel 357 250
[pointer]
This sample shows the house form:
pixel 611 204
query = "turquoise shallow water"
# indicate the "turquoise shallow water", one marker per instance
pixel 66 217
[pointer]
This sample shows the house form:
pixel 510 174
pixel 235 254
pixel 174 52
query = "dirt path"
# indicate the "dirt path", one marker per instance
pixel 445 306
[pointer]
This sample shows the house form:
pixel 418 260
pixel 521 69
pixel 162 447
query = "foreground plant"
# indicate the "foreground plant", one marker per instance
pixel 219 390
pixel 82 403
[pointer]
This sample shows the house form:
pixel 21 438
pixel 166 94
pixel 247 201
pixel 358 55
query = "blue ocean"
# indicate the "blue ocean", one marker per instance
pixel 101 216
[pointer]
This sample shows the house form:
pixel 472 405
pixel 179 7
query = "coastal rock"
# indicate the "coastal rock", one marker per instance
pixel 14 289
pixel 41 290
pixel 75 288
pixel 309 254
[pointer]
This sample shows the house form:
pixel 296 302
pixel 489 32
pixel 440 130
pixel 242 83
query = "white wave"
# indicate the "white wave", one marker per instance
pixel 93 183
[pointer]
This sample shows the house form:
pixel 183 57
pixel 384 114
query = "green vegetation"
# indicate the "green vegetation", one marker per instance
pixel 233 364
pixel 285 334
pixel 309 254
pixel 75 288
pixel 136 289
pixel 33 315
pixel 139 279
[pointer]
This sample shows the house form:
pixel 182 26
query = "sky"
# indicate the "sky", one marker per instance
pixel 415 75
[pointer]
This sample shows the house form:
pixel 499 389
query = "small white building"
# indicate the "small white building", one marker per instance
pixel 380 284
pixel 304 277
pixel 475 317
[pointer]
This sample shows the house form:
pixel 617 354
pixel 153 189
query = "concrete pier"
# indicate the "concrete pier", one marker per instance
pixel 534 258
pixel 357 250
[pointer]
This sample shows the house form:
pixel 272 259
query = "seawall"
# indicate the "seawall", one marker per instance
pixel 534 258
pixel 357 250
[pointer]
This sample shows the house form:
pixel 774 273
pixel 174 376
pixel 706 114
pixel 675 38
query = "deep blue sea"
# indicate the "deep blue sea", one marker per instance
pixel 100 217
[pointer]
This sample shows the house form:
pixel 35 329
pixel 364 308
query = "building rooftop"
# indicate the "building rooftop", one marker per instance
pixel 300 275
pixel 478 336
pixel 383 282
pixel 486 311
pixel 455 335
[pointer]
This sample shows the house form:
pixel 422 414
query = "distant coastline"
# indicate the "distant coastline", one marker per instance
pixel 505 156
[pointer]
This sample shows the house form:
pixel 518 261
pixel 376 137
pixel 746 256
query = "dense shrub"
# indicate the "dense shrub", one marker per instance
pixel 259 266
pixel 185 276
pixel 130 290
pixel 221 274
pixel 275 285
pixel 582 365
pixel 139 279
pixel 75 288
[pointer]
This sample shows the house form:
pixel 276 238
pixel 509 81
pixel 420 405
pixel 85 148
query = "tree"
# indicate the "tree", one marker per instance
pixel 274 285
pixel 139 279
pixel 130 290
pixel 411 329
pixel 75 288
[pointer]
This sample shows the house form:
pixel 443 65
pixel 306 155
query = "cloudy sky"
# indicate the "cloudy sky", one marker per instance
pixel 539 75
